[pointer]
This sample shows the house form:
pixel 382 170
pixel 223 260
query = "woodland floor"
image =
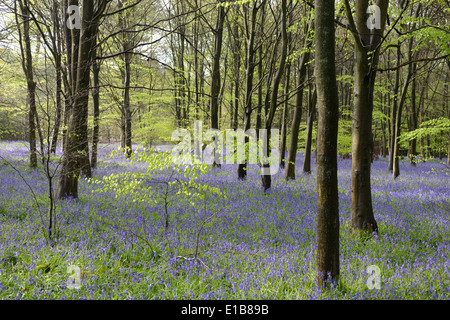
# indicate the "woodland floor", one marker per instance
pixel 248 245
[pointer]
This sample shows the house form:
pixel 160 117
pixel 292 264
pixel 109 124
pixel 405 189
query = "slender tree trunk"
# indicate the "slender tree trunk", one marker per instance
pixel 27 66
pixel 259 107
pixel 58 66
pixel 270 113
pixel 293 143
pixel 68 88
pixel 413 152
pixel 237 67
pixel 327 260
pixel 284 119
pixel 384 127
pixel 398 120
pixel 215 75
pixel 394 110
pixel 312 111
pixel 250 69
pixel 126 56
pixel 96 103
pixel 448 113
pixel 196 68
pixel 215 82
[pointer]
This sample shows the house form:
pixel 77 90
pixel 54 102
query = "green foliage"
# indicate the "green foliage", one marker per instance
pixel 345 135
pixel 154 128
pixel 431 128
pixel 161 170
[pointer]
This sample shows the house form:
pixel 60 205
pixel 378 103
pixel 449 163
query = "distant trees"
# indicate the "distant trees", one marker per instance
pixel 168 63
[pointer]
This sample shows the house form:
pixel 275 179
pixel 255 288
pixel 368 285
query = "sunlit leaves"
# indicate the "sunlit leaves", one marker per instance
pixel 434 127
pixel 162 178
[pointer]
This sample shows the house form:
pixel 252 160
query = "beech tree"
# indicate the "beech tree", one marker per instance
pixel 249 73
pixel 293 143
pixel 271 107
pixel 367 49
pixel 75 150
pixel 327 184
pixel 27 66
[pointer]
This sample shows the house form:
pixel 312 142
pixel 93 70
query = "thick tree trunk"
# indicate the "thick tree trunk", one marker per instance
pixel 327 260
pixel 362 148
pixel 75 153
pixel 366 56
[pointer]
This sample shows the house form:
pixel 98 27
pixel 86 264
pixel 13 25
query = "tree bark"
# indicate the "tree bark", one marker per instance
pixel 394 111
pixel 96 103
pixel 249 73
pixel 284 119
pixel 215 74
pixel 270 112
pixel 27 66
pixel 312 112
pixel 293 142
pixel 126 56
pixel 58 65
pixel 398 119
pixel 413 151
pixel 366 56
pixel 75 151
pixel 327 259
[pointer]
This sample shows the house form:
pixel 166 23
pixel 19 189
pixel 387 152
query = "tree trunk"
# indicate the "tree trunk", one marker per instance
pixel 413 152
pixel 68 88
pixel 270 113
pixel 58 66
pixel 250 69
pixel 398 120
pixel 394 111
pixel 27 66
pixel 293 142
pixel 215 74
pixel 96 103
pixel 366 57
pixel 312 111
pixel 75 152
pixel 126 57
pixel 327 260
pixel 284 119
